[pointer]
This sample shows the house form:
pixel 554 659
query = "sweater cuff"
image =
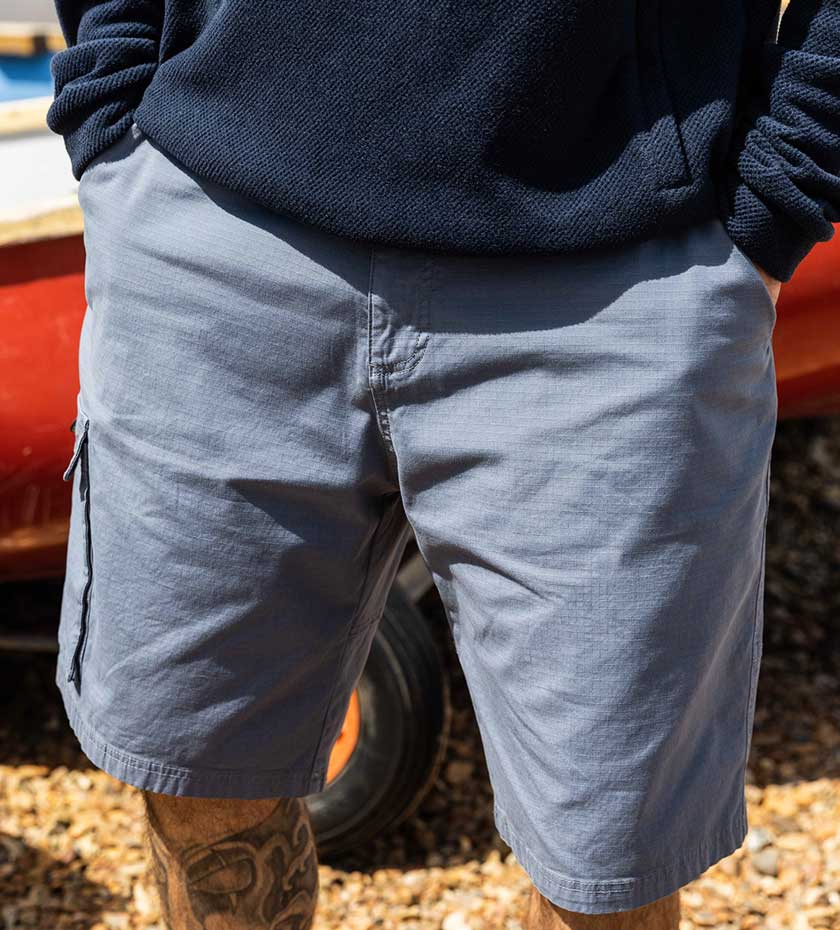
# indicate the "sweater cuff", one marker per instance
pixel 769 238
pixel 98 87
pixel 780 187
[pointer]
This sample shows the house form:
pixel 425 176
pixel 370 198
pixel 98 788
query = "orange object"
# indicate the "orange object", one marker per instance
pixel 806 341
pixel 347 739
pixel 42 303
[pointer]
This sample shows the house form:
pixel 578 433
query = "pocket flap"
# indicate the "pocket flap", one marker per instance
pixel 80 428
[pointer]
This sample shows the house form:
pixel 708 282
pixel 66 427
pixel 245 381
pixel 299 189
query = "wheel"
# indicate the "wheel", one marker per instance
pixel 393 738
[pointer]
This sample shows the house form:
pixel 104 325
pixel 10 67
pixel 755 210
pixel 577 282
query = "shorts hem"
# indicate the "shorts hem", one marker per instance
pixel 623 894
pixel 160 778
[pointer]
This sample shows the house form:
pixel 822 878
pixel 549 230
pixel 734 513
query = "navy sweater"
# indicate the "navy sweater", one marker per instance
pixel 479 126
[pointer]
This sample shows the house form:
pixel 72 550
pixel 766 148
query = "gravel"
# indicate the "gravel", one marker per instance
pixel 71 838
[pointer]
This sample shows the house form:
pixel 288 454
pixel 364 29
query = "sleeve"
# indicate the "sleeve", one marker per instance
pixel 781 187
pixel 111 56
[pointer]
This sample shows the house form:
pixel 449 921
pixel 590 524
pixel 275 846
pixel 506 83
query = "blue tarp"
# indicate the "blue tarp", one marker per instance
pixel 22 78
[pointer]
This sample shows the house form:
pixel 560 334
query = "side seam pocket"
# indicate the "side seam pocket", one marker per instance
pixel 749 268
pixel 80 462
pixel 758 624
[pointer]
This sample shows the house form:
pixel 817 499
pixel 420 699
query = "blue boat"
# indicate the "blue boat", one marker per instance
pixel 38 194
pixel 23 77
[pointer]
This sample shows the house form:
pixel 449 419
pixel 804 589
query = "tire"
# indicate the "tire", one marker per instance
pixel 404 719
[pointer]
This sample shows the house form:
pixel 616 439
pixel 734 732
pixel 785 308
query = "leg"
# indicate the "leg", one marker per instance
pixel 663 914
pixel 584 446
pixel 232 865
pixel 236 525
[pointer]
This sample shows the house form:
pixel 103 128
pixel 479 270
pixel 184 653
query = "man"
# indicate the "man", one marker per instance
pixel 499 273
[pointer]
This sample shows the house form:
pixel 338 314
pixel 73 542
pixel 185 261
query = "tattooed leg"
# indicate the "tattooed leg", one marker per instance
pixel 233 865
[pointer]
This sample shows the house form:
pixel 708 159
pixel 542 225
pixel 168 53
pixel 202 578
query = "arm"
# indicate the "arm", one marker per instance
pixel 100 77
pixel 782 183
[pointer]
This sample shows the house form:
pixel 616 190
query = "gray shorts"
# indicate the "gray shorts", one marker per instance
pixel 580 443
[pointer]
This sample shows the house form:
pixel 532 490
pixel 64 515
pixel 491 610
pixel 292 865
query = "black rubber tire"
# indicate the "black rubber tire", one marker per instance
pixel 404 711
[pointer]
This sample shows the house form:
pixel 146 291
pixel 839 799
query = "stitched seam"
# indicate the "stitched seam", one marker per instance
pixel 621 885
pixel 329 705
pixel 386 421
pixel 383 425
pixel 376 373
pixel 756 636
pixel 371 365
pixel 407 363
pixel 352 625
pixel 156 768
pixel 87 595
pixel 80 461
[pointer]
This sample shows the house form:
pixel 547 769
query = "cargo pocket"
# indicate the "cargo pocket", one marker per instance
pixel 664 146
pixel 79 469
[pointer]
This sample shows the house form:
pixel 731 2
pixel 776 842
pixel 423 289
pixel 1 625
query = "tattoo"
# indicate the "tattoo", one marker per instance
pixel 262 878
pixel 158 859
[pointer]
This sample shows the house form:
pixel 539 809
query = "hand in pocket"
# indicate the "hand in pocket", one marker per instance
pixel 773 285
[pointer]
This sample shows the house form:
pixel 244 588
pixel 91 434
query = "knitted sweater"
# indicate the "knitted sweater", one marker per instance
pixel 479 126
